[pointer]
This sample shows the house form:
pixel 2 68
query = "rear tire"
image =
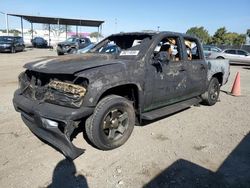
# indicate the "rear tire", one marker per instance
pixel 112 122
pixel 211 96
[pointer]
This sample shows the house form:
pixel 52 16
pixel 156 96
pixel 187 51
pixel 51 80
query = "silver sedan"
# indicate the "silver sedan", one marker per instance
pixel 233 55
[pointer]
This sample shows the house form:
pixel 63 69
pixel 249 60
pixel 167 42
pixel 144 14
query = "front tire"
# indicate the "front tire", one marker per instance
pixel 211 96
pixel 13 49
pixel 73 51
pixel 112 122
pixel 60 53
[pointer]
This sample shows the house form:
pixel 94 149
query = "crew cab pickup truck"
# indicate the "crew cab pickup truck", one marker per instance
pixel 105 95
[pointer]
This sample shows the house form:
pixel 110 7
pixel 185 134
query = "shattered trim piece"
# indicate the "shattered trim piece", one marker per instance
pixel 67 88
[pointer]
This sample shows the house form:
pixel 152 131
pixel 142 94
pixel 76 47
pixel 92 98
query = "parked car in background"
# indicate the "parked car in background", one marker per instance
pixel 233 55
pixel 109 49
pixel 209 49
pixel 72 44
pixel 39 42
pixel 11 44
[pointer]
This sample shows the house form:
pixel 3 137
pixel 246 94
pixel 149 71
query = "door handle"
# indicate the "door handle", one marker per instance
pixel 182 69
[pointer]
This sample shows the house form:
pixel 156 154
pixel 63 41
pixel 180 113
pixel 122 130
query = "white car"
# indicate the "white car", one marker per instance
pixel 233 55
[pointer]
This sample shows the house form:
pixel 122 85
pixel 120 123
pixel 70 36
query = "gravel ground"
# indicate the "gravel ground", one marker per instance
pixel 198 147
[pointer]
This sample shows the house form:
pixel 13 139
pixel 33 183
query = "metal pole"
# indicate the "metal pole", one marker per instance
pixel 101 30
pixel 7 23
pixel 98 33
pixel 58 23
pixel 31 30
pixel 49 35
pixel 22 25
pixel 76 30
pixel 66 31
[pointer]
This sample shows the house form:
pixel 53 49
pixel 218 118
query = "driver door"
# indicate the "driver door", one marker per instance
pixel 168 81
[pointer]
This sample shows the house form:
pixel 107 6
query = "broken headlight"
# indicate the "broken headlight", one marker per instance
pixel 65 94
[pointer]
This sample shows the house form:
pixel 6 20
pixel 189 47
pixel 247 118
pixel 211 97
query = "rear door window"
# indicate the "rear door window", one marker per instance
pixel 230 51
pixel 192 49
pixel 241 52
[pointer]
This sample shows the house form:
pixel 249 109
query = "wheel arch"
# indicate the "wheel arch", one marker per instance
pixel 129 91
pixel 219 77
pixel 220 57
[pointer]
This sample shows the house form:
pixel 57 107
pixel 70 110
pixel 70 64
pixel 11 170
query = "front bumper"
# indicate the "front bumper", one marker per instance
pixel 63 49
pixel 5 49
pixel 64 121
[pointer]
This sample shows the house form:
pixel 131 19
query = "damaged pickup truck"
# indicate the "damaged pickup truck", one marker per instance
pixel 105 95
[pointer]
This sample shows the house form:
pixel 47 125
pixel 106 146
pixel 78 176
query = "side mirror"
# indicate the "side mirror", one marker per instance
pixel 162 57
pixel 159 59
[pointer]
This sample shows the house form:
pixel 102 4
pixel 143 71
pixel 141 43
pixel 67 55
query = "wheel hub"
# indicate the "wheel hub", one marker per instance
pixel 115 123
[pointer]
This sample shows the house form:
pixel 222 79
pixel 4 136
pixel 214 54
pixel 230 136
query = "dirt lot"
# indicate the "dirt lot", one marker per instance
pixel 198 147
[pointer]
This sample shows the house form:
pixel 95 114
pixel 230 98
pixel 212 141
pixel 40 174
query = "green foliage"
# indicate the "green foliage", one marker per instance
pixel 220 36
pixel 95 35
pixel 201 33
pixel 234 39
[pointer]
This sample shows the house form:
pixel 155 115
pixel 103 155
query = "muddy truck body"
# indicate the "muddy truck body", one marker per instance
pixel 105 95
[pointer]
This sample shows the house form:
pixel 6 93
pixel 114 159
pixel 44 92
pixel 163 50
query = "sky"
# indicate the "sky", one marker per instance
pixel 137 15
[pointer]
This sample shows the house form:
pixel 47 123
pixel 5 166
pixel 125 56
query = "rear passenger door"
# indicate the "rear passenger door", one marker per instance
pixel 196 67
pixel 231 55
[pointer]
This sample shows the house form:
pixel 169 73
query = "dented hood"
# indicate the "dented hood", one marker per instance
pixel 71 64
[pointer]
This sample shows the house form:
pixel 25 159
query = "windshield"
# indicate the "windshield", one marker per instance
pixel 123 44
pixel 71 40
pixel 6 39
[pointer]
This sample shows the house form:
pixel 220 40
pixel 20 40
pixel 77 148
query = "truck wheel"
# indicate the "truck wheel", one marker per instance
pixel 211 96
pixel 73 51
pixel 13 49
pixel 112 122
pixel 60 53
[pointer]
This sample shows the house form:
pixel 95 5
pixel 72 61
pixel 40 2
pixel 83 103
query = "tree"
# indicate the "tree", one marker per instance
pixel 230 38
pixel 95 35
pixel 13 31
pixel 201 33
pixel 57 30
pixel 220 36
pixel 241 39
pixel 235 39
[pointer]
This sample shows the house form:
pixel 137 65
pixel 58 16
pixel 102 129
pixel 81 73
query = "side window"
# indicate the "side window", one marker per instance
pixel 82 40
pixel 240 52
pixel 230 52
pixel 192 49
pixel 170 45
